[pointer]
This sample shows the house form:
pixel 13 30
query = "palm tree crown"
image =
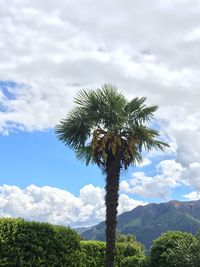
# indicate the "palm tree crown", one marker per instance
pixel 104 122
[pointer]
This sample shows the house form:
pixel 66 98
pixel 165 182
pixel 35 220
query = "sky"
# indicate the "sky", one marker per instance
pixel 49 51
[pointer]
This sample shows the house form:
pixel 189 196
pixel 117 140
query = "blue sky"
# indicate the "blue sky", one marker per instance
pixel 39 158
pixel 51 51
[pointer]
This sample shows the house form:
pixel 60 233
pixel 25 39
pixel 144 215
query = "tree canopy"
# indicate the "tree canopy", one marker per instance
pixel 103 120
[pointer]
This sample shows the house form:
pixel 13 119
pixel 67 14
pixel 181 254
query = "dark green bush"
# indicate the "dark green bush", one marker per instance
pixel 94 252
pixel 134 261
pixel 37 244
pixel 125 238
pixel 175 249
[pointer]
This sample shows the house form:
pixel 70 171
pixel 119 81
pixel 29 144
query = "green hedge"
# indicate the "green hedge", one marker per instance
pixel 37 244
pixel 93 253
pixel 175 249
pixel 134 261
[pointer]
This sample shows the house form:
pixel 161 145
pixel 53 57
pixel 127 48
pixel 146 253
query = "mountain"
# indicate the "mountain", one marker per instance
pixel 81 230
pixel 149 221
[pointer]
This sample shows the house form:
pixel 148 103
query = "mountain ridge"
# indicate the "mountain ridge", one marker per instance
pixel 149 221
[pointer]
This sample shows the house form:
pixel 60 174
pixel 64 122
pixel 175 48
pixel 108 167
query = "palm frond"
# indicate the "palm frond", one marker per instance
pixel 145 114
pixel 112 103
pixel 147 138
pixel 137 158
pixel 138 112
pixel 75 129
pixel 87 100
pixel 135 104
pixel 84 154
pixel 110 95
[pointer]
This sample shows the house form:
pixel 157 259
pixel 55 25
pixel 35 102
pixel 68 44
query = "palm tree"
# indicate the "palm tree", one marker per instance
pixel 106 129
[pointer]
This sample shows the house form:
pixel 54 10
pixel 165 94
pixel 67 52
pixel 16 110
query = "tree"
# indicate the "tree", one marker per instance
pixel 106 129
pixel 125 238
pixel 175 249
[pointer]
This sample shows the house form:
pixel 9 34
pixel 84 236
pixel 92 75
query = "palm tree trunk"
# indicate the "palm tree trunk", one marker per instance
pixel 111 200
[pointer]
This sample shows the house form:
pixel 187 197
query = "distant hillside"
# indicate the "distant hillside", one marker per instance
pixel 81 230
pixel 148 222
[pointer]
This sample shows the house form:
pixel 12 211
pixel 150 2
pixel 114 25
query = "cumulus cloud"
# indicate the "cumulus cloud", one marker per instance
pixel 145 162
pixel 57 206
pixel 184 131
pixel 168 176
pixel 192 176
pixel 192 196
pixel 147 48
pixel 56 49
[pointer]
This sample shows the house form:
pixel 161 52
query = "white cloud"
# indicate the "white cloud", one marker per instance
pixel 192 196
pixel 58 206
pixel 184 131
pixel 194 35
pixel 56 49
pixel 168 176
pixel 145 162
pixel 192 176
pixel 51 50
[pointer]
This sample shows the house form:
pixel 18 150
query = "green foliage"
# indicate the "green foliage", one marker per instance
pixel 198 235
pixel 175 249
pixel 103 121
pixel 32 244
pixel 93 253
pixel 129 249
pixel 133 261
pixel 125 238
pixel 37 244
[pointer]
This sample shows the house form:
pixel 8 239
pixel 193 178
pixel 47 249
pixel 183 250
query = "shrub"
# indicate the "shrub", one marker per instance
pixel 175 249
pixel 37 244
pixel 133 261
pixel 94 252
pixel 125 238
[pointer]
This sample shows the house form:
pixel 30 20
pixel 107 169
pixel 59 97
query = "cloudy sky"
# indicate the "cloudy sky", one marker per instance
pixel 52 49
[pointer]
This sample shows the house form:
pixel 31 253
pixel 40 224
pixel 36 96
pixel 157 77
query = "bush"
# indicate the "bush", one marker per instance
pixel 134 261
pixel 94 252
pixel 175 249
pixel 125 238
pixel 37 244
